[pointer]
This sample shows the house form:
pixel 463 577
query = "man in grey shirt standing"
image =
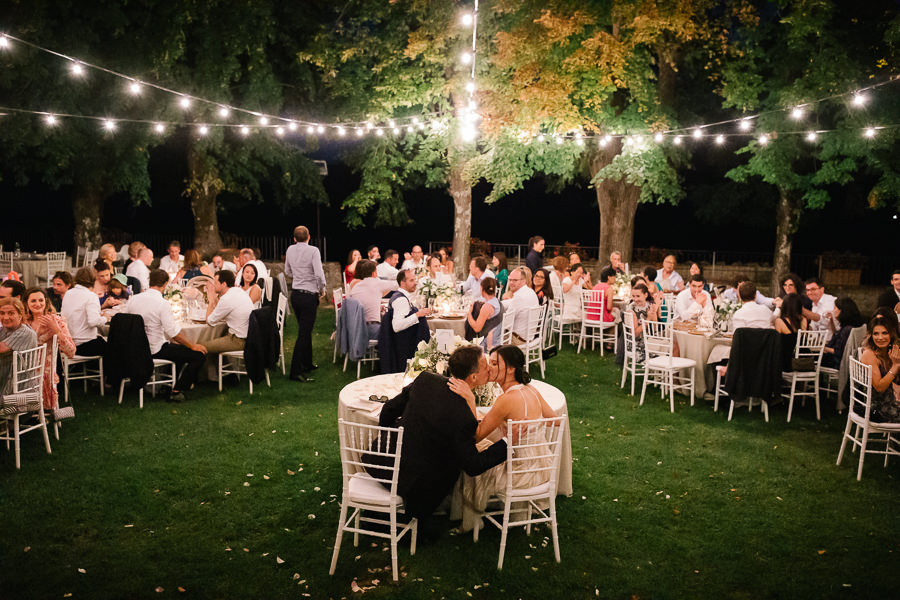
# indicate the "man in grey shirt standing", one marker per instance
pixel 303 264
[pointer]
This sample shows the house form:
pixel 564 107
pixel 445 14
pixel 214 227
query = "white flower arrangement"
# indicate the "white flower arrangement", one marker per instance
pixel 430 289
pixel 486 394
pixel 725 309
pixel 429 358
pixel 622 285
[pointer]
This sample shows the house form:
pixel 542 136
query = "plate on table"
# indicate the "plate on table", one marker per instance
pixel 452 316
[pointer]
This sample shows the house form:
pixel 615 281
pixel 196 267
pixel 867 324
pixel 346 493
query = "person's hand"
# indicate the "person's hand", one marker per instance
pixel 776 302
pixel 211 290
pixel 461 388
pixel 199 348
pixel 895 355
pixel 407 256
pixel 701 299
pixel 49 322
pixel 425 312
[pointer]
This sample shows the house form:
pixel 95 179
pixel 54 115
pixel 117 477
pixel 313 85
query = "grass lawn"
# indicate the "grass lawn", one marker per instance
pixel 207 498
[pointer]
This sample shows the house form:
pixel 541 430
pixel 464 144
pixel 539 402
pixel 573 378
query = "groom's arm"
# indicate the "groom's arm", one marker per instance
pixel 393 408
pixel 471 460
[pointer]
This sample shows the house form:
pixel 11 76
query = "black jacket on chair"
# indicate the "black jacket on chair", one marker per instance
pixel 128 351
pixel 754 367
pixel 261 350
pixel 438 441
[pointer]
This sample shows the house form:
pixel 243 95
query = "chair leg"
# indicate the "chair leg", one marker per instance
pixel 102 382
pixel 671 375
pixel 47 435
pixel 268 381
pixel 862 450
pixel 844 440
pixel 337 541
pixel 16 442
pixel 791 402
pixel 415 535
pixel 553 528
pixel 731 409
pixel 395 572
pixel 765 408
pixel 503 534
pixel 121 390
pixel 691 391
pixel 816 389
pixel 624 373
pixel 643 387
pixel 141 398
pixel 220 373
pixel 356 525
pixel 346 357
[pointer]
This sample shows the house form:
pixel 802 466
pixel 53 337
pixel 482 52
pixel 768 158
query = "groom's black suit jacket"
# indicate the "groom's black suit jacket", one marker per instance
pixel 438 441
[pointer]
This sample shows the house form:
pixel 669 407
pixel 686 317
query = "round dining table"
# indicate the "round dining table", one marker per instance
pixel 703 350
pixel 457 324
pixel 354 406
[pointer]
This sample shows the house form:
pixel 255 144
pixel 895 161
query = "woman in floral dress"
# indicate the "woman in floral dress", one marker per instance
pixel 44 320
pixel 639 309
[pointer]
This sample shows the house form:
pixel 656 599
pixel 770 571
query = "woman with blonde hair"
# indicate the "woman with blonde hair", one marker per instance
pixel 108 254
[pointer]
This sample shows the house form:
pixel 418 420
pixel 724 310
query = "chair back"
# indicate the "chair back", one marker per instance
pixel 506 328
pixel 536 318
pixel 592 303
pixel 56 261
pixel 80 251
pixel 666 307
pixel 533 452
pixel 366 446
pixel 630 343
pixel 280 314
pixel 860 388
pixel 90 256
pixel 810 344
pixel 6 262
pixel 338 296
pixel 657 338
pixel 28 370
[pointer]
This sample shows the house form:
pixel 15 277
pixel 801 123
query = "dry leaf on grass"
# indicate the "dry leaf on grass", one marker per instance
pixel 82 571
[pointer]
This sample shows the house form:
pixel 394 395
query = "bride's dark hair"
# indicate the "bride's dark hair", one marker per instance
pixel 515 358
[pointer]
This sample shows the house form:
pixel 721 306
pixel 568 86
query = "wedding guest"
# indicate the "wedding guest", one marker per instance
pixel 171 262
pixel 891 296
pixel 230 305
pixel 373 254
pixel 668 278
pixel 650 276
pixel 571 286
pixel 528 276
pixel 439 434
pixel 523 299
pixel 607 279
pixel 696 269
pixel 102 277
pixel 751 313
pixel 249 283
pixel 403 326
pixel 693 301
pixel 535 258
pixel 560 271
pixel 436 270
pixel 12 288
pixel 43 319
pixel 192 267
pixel 134 250
pixel 484 315
pixel 574 258
pixel 500 268
pixel 368 291
pixel 352 260
pixel 846 315
pixel 59 285
pixel 219 263
pixel 731 294
pixel 416 259
pixel 882 353
pixel 116 289
pixel 140 269
pixel 446 263
pixel 164 335
pixel 641 308
pixel 888 314
pixel 16 337
pixel 82 313
pixel 542 288
pixel 822 309
pixel 792 284
pixel 303 263
pixel 477 273
pixel 788 322
pixel 249 256
pixel 108 254
pixel 615 262
pixel 387 269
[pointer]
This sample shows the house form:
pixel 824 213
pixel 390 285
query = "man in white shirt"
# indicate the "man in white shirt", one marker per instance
pixel 523 299
pixel 81 309
pixel 668 278
pixel 220 264
pixel 160 327
pixel 388 269
pixel 171 262
pixel 404 317
pixel 368 291
pixel 140 269
pixel 248 256
pixel 416 259
pixel 693 301
pixel 731 294
pixel 477 272
pixel 230 305
pixel 822 308
pixel 407 326
pixel 751 313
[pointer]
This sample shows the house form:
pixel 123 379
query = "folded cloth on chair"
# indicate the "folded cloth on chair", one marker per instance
pixel 754 368
pixel 12 404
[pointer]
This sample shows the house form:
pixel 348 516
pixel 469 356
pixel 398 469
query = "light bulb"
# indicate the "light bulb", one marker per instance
pixel 720 139
pixel 109 125
pixel 379 132
pixel 203 130
pixel 811 136
pixel 763 140
pixel 467 19
pixel 264 121
pixel 310 129
pixel 410 129
pixel 292 126
pixel 224 111
pixel 580 142
pixel 159 128
pixel 50 120
pixel 466 58
pixel 797 113
pixel 473 105
pixel 607 139
pixel 341 131
pixel 368 125
pixel 559 141
pixel 396 130
pixel 359 133
pixel 870 132
pixel 77 69
pixel 279 131
pixel 677 140
pixel 578 136
pixel 468 133
pixel 4 41
pixel 470 87
pixel 415 120
pixel 859 99
pixel 697 134
pixel 391 124
pixel 421 126
pixel 540 138
pixel 744 124
pixel 320 129
pixel 658 138
pixel 134 88
pixel 245 130
pixel 602 142
pixel 185 102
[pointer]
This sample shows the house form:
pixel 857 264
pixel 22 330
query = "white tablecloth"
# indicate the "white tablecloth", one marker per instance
pixel 31 268
pixel 199 333
pixel 698 347
pixel 354 406
pixel 457 325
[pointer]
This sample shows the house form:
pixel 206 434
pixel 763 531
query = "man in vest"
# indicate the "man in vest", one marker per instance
pixel 403 326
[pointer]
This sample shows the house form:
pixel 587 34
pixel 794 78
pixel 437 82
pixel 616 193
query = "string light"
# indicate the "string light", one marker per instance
pixel 320 129
pixel 811 136
pixel 744 124
pixel 359 133
pixel 109 125
pixel 134 88
pixel 540 138
pixel 465 58
pixel 279 131
pixel 797 113
pixel 720 139
pixel 859 99
pixel 185 102
pixel 698 133
pixel 292 126
pixel 159 128
pixel 50 120
pixel 224 111
pixel 677 140
pixel 203 130
pixel 264 121
pixel 470 87
pixel 76 69
pixel 341 131
pixel 869 132
pixel 763 140
pixel 410 129
pixel 658 138
pixel 379 132
pixel 310 130
pixel 245 131
pixel 4 42
pixel 467 19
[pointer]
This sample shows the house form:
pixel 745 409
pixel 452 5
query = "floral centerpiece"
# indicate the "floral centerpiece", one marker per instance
pixel 622 285
pixel 429 358
pixel 435 292
pixel 725 309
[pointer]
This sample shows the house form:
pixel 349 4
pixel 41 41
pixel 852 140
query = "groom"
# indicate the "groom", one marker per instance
pixel 439 433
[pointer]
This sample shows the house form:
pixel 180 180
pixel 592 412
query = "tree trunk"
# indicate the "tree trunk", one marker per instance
pixel 204 186
pixel 787 217
pixel 462 220
pixel 87 207
pixel 617 201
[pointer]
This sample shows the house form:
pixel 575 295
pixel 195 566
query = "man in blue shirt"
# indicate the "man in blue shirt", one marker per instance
pixel 303 264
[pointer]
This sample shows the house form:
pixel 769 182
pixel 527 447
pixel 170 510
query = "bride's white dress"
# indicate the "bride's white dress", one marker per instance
pixel 477 490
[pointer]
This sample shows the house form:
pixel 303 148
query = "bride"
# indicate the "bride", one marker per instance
pixel 518 402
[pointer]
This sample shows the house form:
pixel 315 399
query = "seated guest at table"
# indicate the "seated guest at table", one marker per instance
pixel 436 271
pixel 403 325
pixel 116 289
pixel 731 294
pixel 192 267
pixel 368 290
pixel 171 262
pixel 888 313
pixel 439 434
pixel 249 256
pixel 522 300
pixel 352 260
pixel 485 315
pixel 160 327
pixel 59 285
pixel 615 262
pixel 478 272
pixel 607 279
pixel 102 277
pixel 81 309
pixel 373 254
pixel 108 254
pixel 792 284
pixel 650 276
pixel 16 337
pixel 219 263
pixel 788 322
pixel 556 275
pixel 693 301
pixel 416 259
pixel 534 260
pixel 571 287
pixel 882 353
pixel 249 283
pixel 140 269
pixel 501 269
pixel 846 315
pixel 891 296
pixel 641 308
pixel 542 288
pixel 696 269
pixel 12 288
pixel 446 263
pixel 751 314
pixel 820 317
pixel 574 258
pixel 227 304
pixel 387 270
pixel 668 278
pixel 134 250
pixel 43 319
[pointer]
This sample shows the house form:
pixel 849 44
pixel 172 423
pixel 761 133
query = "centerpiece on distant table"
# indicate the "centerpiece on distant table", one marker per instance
pixel 439 295
pixel 725 309
pixel 433 356
pixel 622 286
